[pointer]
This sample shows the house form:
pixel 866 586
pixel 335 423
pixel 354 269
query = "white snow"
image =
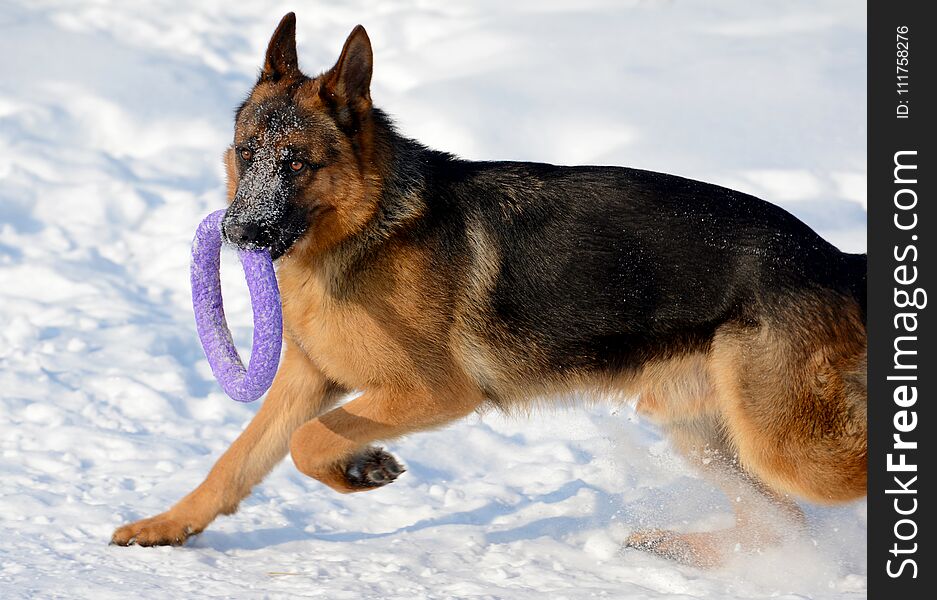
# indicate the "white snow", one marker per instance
pixel 113 117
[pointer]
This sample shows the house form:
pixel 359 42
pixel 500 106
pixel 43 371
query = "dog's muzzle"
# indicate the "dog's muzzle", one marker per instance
pixel 242 235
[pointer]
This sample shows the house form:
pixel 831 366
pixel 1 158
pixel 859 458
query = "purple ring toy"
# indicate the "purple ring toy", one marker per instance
pixel 243 385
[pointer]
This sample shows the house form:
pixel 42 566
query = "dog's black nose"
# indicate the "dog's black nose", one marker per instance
pixel 242 234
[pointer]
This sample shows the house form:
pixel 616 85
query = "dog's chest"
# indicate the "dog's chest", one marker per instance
pixel 384 339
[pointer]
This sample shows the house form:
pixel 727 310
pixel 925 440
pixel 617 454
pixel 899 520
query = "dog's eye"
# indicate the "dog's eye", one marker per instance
pixel 296 166
pixel 246 154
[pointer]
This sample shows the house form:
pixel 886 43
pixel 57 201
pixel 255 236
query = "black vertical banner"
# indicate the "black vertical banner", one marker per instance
pixel 902 167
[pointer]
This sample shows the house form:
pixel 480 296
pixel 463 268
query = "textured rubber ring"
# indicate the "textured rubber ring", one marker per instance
pixel 243 385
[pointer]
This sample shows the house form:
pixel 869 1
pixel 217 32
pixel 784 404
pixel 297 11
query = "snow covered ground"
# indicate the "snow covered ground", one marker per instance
pixel 113 116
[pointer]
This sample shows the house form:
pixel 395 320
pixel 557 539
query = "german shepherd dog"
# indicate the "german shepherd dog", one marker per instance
pixel 438 287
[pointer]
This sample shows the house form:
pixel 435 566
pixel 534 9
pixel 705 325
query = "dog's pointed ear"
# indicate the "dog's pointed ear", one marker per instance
pixel 281 61
pixel 349 81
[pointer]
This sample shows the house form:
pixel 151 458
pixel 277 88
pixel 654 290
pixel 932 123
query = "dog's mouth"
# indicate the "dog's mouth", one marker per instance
pixel 276 237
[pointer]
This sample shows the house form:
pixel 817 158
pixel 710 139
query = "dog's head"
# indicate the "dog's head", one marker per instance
pixel 298 170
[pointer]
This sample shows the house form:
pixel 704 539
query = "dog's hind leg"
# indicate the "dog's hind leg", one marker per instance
pixel 299 393
pixel 762 517
pixel 680 395
pixel 785 406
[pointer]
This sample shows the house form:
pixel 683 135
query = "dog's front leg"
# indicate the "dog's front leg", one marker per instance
pixel 299 393
pixel 334 447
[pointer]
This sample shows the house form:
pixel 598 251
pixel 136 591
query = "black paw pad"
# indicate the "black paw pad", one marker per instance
pixel 372 468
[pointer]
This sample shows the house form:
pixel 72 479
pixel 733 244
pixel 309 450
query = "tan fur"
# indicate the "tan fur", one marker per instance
pixel 788 404
pixel 468 348
pixel 678 389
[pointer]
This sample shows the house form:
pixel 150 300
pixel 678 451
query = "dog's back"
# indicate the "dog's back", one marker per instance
pixel 708 303
pixel 606 267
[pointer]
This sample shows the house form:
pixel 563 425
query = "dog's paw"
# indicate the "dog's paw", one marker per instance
pixel 692 549
pixel 372 468
pixel 160 530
